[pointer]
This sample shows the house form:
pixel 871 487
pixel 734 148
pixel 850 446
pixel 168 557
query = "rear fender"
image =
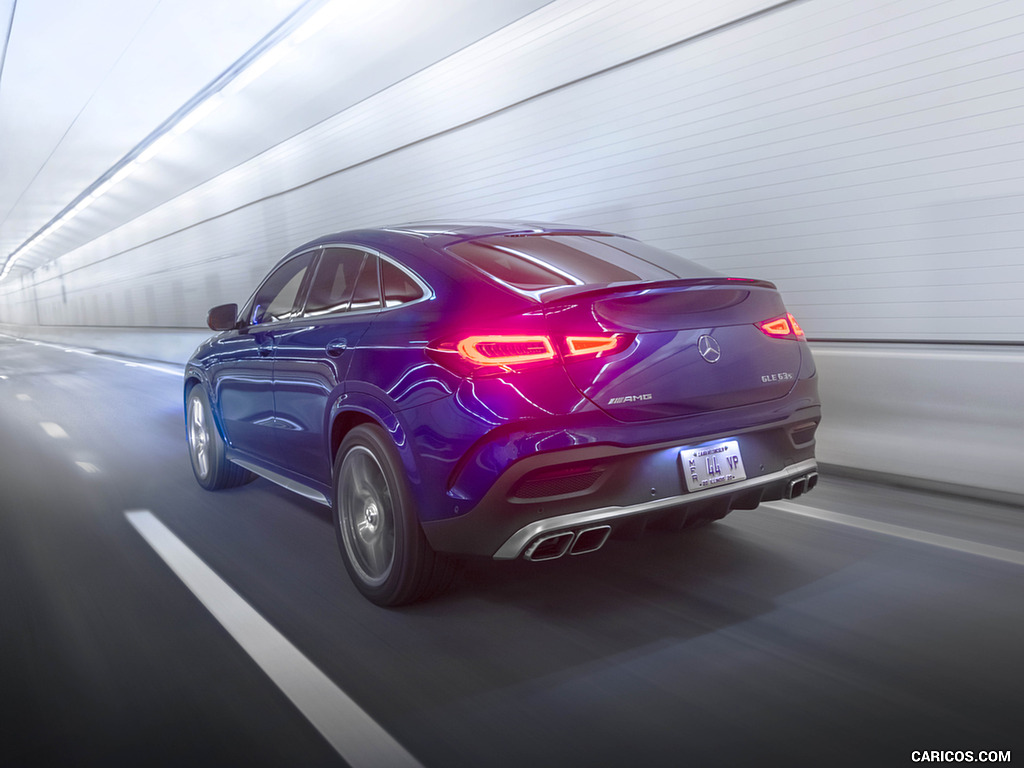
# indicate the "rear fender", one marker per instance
pixel 384 417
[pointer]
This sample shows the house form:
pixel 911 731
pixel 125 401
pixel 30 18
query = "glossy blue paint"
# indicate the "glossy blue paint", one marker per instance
pixel 279 387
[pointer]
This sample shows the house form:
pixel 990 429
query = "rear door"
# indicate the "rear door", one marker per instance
pixel 313 354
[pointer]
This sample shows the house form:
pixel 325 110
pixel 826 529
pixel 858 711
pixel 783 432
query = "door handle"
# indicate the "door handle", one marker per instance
pixel 336 347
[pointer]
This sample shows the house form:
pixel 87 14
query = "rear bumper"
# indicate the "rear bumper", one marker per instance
pixel 769 487
pixel 623 489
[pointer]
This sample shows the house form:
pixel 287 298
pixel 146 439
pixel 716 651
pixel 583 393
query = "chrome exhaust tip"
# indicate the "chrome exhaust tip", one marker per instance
pixel 801 485
pixel 590 539
pixel 549 547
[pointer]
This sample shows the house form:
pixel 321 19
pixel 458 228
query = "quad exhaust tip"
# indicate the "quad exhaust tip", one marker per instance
pixel 553 546
pixel 800 485
pixel 590 539
pixel 550 547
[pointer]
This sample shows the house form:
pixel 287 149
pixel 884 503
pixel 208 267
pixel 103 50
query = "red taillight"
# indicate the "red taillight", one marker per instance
pixel 494 353
pixel 592 345
pixel 506 350
pixel 782 327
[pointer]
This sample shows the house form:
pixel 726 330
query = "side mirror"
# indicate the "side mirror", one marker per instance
pixel 223 317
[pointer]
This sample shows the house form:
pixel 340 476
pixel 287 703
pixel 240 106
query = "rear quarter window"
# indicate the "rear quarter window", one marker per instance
pixel 399 287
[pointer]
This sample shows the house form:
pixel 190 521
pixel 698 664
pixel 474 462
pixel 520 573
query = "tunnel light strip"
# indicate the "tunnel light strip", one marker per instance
pixel 899 531
pixel 355 736
pixel 257 60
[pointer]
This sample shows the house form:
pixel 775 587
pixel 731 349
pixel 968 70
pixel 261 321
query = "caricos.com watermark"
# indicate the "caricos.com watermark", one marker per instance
pixel 960 756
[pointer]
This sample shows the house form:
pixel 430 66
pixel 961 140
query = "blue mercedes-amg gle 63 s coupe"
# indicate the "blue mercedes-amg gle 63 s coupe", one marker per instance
pixel 501 390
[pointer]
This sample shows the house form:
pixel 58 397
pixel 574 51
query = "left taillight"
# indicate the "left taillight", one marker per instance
pixel 503 352
pixel 785 327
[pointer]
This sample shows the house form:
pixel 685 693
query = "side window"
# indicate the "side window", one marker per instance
pixel 335 281
pixel 399 287
pixel 279 295
pixel 367 291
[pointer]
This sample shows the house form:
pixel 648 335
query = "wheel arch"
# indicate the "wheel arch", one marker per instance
pixel 193 380
pixel 364 409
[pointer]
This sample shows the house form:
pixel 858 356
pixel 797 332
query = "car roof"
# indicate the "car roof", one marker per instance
pixel 437 235
pixel 472 229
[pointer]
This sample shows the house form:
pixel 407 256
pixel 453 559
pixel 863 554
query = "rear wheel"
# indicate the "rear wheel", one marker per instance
pixel 206 447
pixel 384 548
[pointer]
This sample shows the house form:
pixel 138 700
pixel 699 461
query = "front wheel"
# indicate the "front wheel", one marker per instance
pixel 385 551
pixel 206 447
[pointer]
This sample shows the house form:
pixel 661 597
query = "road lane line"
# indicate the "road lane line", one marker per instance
pixel 149 366
pixel 168 369
pixel 53 430
pixel 354 734
pixel 911 534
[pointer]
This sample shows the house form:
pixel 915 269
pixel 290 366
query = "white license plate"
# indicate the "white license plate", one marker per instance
pixel 711 464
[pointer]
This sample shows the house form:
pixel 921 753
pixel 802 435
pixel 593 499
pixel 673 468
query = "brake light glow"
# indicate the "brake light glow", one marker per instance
pixel 506 350
pixel 785 327
pixel 495 353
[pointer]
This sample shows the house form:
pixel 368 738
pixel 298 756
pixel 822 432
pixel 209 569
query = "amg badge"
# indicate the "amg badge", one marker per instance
pixel 630 399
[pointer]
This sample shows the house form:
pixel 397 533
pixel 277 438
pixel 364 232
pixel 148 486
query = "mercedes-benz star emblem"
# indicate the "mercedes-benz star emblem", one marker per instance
pixel 709 349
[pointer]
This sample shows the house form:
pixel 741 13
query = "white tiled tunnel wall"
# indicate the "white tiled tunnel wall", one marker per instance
pixel 864 155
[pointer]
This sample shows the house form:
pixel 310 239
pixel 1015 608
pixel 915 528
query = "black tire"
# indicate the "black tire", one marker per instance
pixel 206 446
pixel 382 544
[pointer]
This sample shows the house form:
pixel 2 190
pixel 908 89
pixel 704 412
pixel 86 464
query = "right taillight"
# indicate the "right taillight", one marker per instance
pixel 785 327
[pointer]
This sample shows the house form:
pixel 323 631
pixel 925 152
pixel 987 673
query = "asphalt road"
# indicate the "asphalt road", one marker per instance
pixel 853 627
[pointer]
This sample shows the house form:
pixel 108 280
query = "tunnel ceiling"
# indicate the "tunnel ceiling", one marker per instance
pixel 84 85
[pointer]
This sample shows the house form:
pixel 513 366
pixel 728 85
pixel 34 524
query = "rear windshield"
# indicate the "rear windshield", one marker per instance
pixel 536 262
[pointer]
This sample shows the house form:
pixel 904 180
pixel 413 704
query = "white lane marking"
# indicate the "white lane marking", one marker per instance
pixel 53 430
pixel 23 397
pixel 151 367
pixel 911 534
pixel 352 732
pixel 109 357
pixel 88 467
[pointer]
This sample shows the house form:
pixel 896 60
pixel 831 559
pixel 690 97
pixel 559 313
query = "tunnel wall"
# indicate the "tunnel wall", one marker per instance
pixel 865 156
pixel 946 417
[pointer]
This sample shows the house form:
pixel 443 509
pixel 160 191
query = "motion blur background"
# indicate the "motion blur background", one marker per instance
pixel 867 156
